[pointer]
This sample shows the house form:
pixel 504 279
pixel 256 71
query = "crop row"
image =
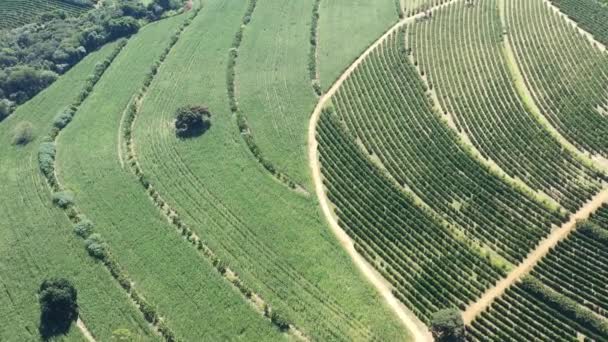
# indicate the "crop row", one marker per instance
pixel 531 311
pixel 428 267
pixel 565 72
pixel 460 51
pixel 589 14
pixel 384 104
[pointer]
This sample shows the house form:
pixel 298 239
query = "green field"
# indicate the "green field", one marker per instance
pixel 459 165
pixel 346 28
pixel 39 242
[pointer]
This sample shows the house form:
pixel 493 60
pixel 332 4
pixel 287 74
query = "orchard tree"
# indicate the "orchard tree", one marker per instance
pixel 191 121
pixel 58 306
pixel 447 326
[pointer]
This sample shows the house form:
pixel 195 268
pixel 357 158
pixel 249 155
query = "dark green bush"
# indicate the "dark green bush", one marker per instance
pixel 63 199
pixel 192 121
pixel 58 306
pixel 96 246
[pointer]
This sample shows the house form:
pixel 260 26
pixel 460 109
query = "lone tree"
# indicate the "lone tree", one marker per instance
pixel 192 121
pixel 447 326
pixel 58 307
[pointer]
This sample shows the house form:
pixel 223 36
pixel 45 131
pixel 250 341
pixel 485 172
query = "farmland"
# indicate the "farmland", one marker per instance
pixel 268 170
pixel 15 13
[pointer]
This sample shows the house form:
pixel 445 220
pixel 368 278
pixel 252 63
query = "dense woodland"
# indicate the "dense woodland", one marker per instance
pixel 34 55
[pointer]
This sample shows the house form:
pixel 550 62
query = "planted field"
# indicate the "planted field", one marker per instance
pixel 346 28
pixel 274 91
pixel 15 13
pixel 564 298
pixel 589 14
pixel 566 73
pixel 272 237
pixel 385 105
pixel 194 301
pixel 460 50
pixel 40 242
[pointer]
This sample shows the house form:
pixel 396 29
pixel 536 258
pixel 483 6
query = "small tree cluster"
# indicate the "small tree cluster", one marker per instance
pixel 447 326
pixel 192 121
pixel 58 306
pixel 23 133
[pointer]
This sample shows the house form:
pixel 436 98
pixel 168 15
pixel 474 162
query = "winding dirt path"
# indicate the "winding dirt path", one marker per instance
pixel 85 331
pixel 534 257
pixel 416 327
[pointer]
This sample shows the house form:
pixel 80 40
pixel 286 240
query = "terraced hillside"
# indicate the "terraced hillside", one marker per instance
pixel 15 13
pixel 366 165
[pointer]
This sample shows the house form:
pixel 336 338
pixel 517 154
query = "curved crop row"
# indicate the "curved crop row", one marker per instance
pixel 564 71
pixel 428 267
pixel 460 50
pixel 589 14
pixel 385 105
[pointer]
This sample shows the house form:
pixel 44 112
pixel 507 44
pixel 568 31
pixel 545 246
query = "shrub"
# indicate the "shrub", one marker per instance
pixel 5 108
pixel 279 319
pixel 191 121
pixel 96 246
pixel 46 158
pixel 23 133
pixel 58 306
pixel 83 228
pixel 447 325
pixel 63 118
pixel 63 199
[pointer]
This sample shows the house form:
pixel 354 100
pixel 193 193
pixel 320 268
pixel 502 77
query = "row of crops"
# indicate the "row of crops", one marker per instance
pixel 564 299
pixel 429 268
pixel 460 51
pixel 564 71
pixel 15 13
pixel 384 105
pixel 589 14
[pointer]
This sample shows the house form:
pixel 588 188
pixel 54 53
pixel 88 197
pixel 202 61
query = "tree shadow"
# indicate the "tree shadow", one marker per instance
pixel 53 325
pixel 193 132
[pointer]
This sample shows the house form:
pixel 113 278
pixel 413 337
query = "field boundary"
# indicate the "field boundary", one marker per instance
pixel 416 327
pixel 543 248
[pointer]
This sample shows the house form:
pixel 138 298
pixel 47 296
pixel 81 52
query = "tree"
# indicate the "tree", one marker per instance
pixel 23 133
pixel 191 121
pixel 447 326
pixel 58 306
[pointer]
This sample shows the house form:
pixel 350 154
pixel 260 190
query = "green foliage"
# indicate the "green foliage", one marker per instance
pixel 96 246
pixel 84 227
pixel 279 320
pixel 447 326
pixel 23 133
pixel 63 118
pixel 63 199
pixel 58 306
pixel 46 158
pixel 191 121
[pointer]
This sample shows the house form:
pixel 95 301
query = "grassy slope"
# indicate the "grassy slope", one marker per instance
pixel 274 238
pixel 196 302
pixel 37 240
pixel 15 13
pixel 274 89
pixel 346 28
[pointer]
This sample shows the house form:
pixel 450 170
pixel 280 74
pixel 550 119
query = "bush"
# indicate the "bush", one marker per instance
pixel 46 158
pixel 63 118
pixel 58 306
pixel 83 228
pixel 23 133
pixel 6 107
pixel 63 199
pixel 280 320
pixel 96 246
pixel 191 121
pixel 447 325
